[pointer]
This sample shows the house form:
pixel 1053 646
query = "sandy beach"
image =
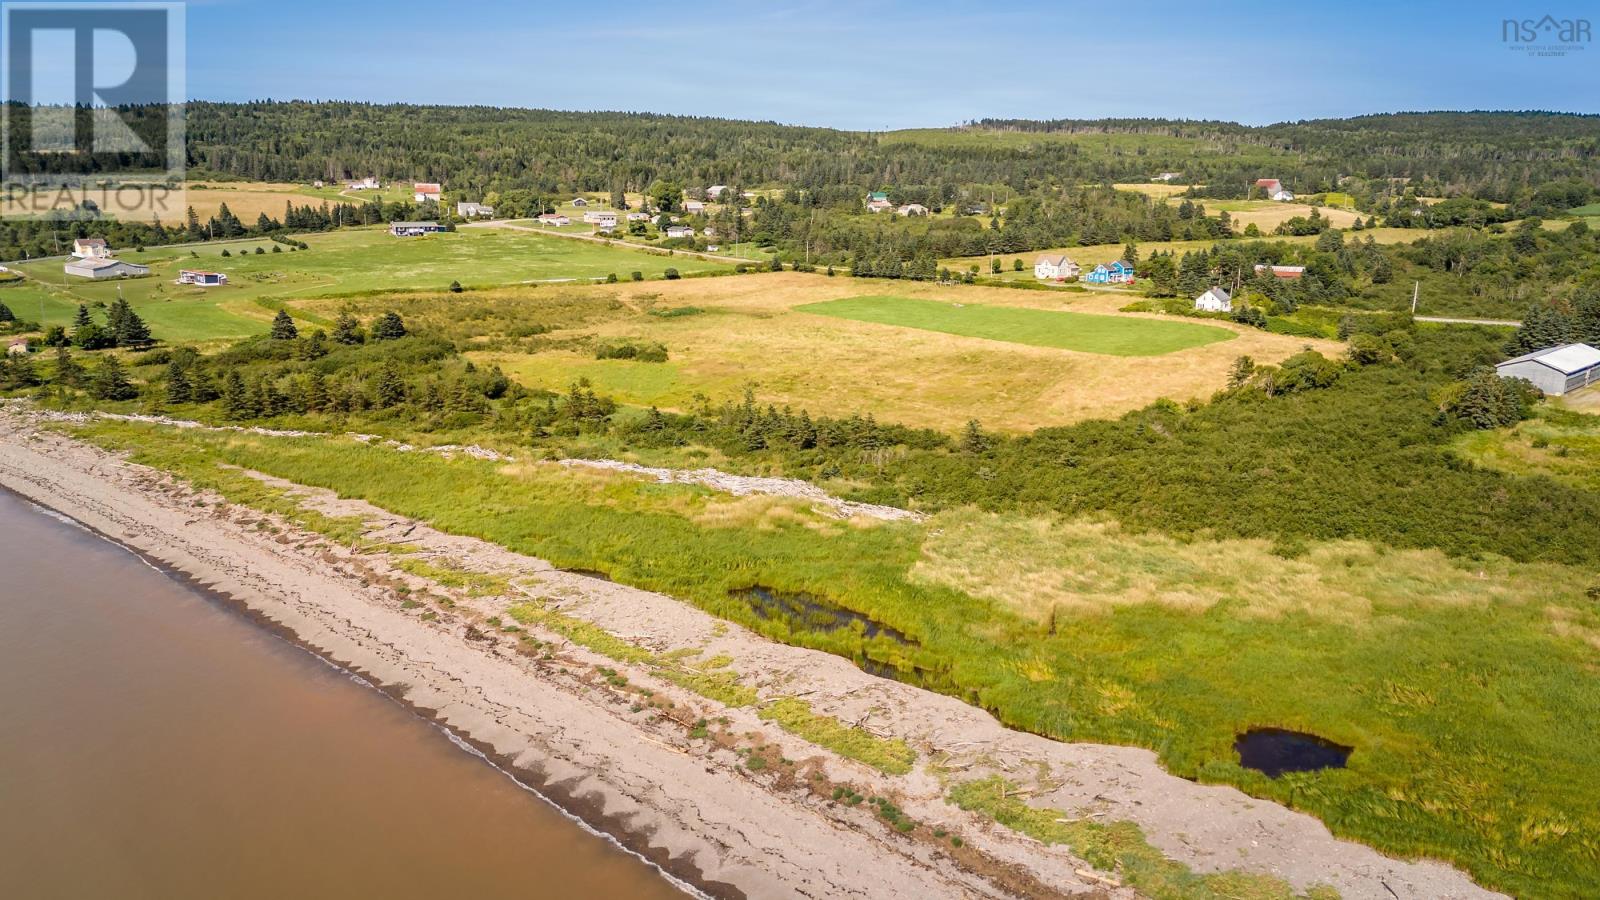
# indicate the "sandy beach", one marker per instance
pixel 641 771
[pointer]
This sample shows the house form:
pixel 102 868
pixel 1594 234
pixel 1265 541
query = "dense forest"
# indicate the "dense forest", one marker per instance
pixel 1493 156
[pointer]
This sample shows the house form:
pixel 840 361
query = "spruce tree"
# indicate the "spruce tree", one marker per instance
pixel 346 330
pixel 283 327
pixel 82 317
pixel 110 382
pixel 179 388
pixel 68 372
pixel 389 327
pixel 6 315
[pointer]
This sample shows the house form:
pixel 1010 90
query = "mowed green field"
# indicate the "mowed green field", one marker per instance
pixel 1112 335
pixel 340 262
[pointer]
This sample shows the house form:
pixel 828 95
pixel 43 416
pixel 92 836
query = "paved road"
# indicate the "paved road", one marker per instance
pixel 1509 323
pixel 660 251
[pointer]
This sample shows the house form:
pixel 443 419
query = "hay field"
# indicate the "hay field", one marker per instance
pixel 1269 214
pixel 748 333
pixel 245 199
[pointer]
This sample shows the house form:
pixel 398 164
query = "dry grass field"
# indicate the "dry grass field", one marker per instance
pixel 1269 214
pixel 245 199
pixel 748 333
pixel 1155 190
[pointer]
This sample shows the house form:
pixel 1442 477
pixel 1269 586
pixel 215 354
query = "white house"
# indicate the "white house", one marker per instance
pixel 423 191
pixel 414 229
pixel 693 206
pixel 1056 268
pixel 91 248
pixel 473 210
pixel 638 217
pixel 600 217
pixel 715 190
pixel 1214 299
pixel 912 209
pixel 368 183
pixel 99 268
pixel 679 231
pixel 1555 370
pixel 554 219
pixel 1167 176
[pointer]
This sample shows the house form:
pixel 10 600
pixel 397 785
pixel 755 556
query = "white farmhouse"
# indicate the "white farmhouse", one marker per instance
pixel 1214 300
pixel 1055 268
pixel 91 248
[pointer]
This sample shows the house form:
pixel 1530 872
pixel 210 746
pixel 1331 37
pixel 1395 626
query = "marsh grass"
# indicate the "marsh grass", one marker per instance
pixel 1468 692
pixel 1119 847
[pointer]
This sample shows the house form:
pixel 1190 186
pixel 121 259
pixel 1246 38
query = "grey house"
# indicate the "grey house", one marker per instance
pixel 1555 370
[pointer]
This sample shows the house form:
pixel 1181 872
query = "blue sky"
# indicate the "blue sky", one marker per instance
pixel 875 64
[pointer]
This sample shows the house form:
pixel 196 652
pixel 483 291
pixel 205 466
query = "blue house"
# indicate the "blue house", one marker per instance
pixel 1118 272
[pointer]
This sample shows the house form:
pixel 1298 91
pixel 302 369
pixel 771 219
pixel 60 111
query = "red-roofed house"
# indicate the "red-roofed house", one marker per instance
pixel 1274 189
pixel 427 190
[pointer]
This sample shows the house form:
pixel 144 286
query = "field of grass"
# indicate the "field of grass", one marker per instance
pixel 1593 209
pixel 1464 685
pixel 747 332
pixel 1117 336
pixel 1562 442
pixel 341 262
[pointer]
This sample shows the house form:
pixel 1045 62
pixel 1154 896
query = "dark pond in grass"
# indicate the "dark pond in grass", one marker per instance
pixel 814 613
pixel 1274 751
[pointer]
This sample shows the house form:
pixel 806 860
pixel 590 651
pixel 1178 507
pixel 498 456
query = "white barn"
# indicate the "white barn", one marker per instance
pixel 1555 370
pixel 1214 300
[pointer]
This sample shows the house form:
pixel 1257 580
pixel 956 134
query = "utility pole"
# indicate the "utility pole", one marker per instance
pixel 1416 289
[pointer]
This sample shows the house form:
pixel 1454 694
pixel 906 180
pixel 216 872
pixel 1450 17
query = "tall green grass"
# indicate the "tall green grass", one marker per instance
pixel 1473 720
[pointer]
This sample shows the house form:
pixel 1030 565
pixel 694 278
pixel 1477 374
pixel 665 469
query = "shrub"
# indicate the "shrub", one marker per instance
pixel 637 276
pixel 671 275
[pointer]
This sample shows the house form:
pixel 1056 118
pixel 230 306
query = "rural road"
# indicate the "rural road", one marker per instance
pixel 1446 320
pixel 505 223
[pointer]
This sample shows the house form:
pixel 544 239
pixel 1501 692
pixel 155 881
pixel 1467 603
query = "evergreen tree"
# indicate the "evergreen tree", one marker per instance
pixel 6 315
pixel 346 330
pixel 126 327
pixel 237 400
pixel 82 317
pixel 389 327
pixel 179 388
pixel 283 328
pixel 68 372
pixel 110 382
pixel 390 388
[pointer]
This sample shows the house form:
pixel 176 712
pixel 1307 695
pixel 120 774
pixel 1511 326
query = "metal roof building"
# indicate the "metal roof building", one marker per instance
pixel 1555 370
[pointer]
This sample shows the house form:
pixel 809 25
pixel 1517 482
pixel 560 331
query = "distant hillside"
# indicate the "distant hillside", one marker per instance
pixel 1495 155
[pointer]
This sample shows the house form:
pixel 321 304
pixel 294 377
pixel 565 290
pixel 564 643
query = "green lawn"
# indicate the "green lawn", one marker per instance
pixel 1593 209
pixel 1113 335
pixel 340 262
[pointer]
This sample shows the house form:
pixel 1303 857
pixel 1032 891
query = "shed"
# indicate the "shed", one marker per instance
pixel 1555 370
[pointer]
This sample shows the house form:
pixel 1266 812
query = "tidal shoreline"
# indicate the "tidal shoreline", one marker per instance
pixel 686 806
pixel 586 812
